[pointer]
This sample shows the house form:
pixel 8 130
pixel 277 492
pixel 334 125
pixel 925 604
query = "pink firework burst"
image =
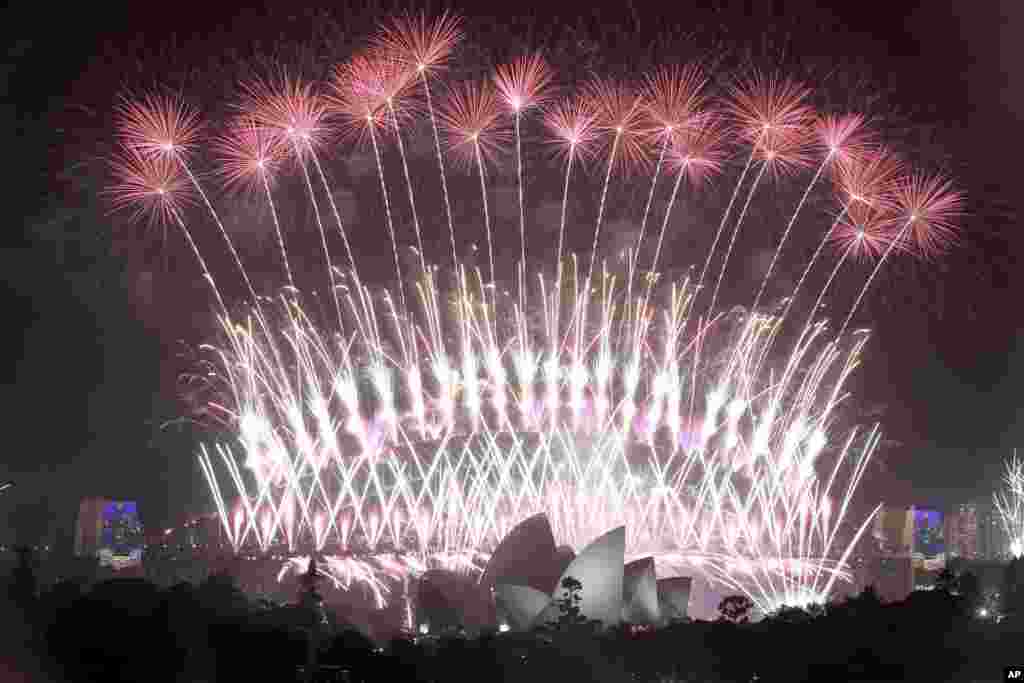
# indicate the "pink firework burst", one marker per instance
pixel 471 118
pixel 420 42
pixel 864 233
pixel 290 108
pixel 698 148
pixel 249 155
pixel 572 124
pixel 367 90
pixel 870 179
pixel 620 114
pixel 931 208
pixel 523 82
pixel 151 187
pixel 673 98
pixel 770 111
pixel 786 153
pixel 157 125
pixel 844 138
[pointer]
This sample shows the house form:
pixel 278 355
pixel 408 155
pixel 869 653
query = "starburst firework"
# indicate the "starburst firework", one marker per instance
pixel 1010 504
pixel 472 119
pixel 250 154
pixel 291 108
pixel 158 125
pixel 150 188
pixel 421 42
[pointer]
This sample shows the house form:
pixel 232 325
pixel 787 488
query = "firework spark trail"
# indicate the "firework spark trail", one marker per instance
pixel 673 102
pixel 440 166
pixel 861 167
pixel 664 227
pixel 423 44
pixel 561 223
pixel 600 207
pixel 249 154
pixel 277 230
pixel 828 282
pixel 220 226
pixel 337 215
pixel 387 213
pixel 487 213
pixel 893 244
pixel 471 117
pixel 572 124
pixel 647 210
pixel 769 112
pixel 725 218
pixel 789 226
pixel 163 128
pixel 207 275
pixel 152 188
pixel 320 226
pixel 408 184
pixel 520 274
pixel 736 231
pixel 814 258
pixel 930 207
pixel 1009 504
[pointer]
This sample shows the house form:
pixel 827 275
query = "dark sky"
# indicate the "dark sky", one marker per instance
pixel 94 349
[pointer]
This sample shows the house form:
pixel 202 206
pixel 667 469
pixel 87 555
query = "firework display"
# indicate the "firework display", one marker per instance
pixel 1010 504
pixel 412 428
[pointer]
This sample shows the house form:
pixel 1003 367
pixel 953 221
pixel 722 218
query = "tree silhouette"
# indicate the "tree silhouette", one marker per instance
pixel 736 609
pixel 869 597
pixel 220 595
pixel 798 615
pixel 1013 591
pixel 569 604
pixel 945 581
pixel 309 597
pixel 312 603
pixel 23 584
pixel 571 617
pixel 969 587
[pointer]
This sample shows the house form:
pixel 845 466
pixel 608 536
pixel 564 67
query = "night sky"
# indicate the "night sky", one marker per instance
pixel 100 320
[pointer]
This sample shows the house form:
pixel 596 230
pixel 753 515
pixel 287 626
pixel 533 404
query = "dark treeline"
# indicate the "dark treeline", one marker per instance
pixel 132 630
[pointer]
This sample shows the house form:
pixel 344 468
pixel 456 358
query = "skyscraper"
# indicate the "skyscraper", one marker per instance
pixel 89 526
pixel 993 543
pixel 891 570
pixel 963 532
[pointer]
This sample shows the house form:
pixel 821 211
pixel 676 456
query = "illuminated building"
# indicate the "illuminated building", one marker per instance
pixel 894 531
pixel 89 526
pixel 892 577
pixel 993 543
pixel 962 532
pixel 891 570
pixel 519 590
pixel 110 531
pixel 121 540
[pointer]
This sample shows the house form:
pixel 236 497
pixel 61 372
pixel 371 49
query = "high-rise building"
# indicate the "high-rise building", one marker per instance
pixel 993 543
pixel 929 549
pixel 894 531
pixel 890 570
pixel 109 530
pixel 892 576
pixel 89 526
pixel 962 531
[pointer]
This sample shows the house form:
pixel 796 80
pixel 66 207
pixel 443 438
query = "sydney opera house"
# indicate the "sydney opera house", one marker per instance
pixel 521 583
